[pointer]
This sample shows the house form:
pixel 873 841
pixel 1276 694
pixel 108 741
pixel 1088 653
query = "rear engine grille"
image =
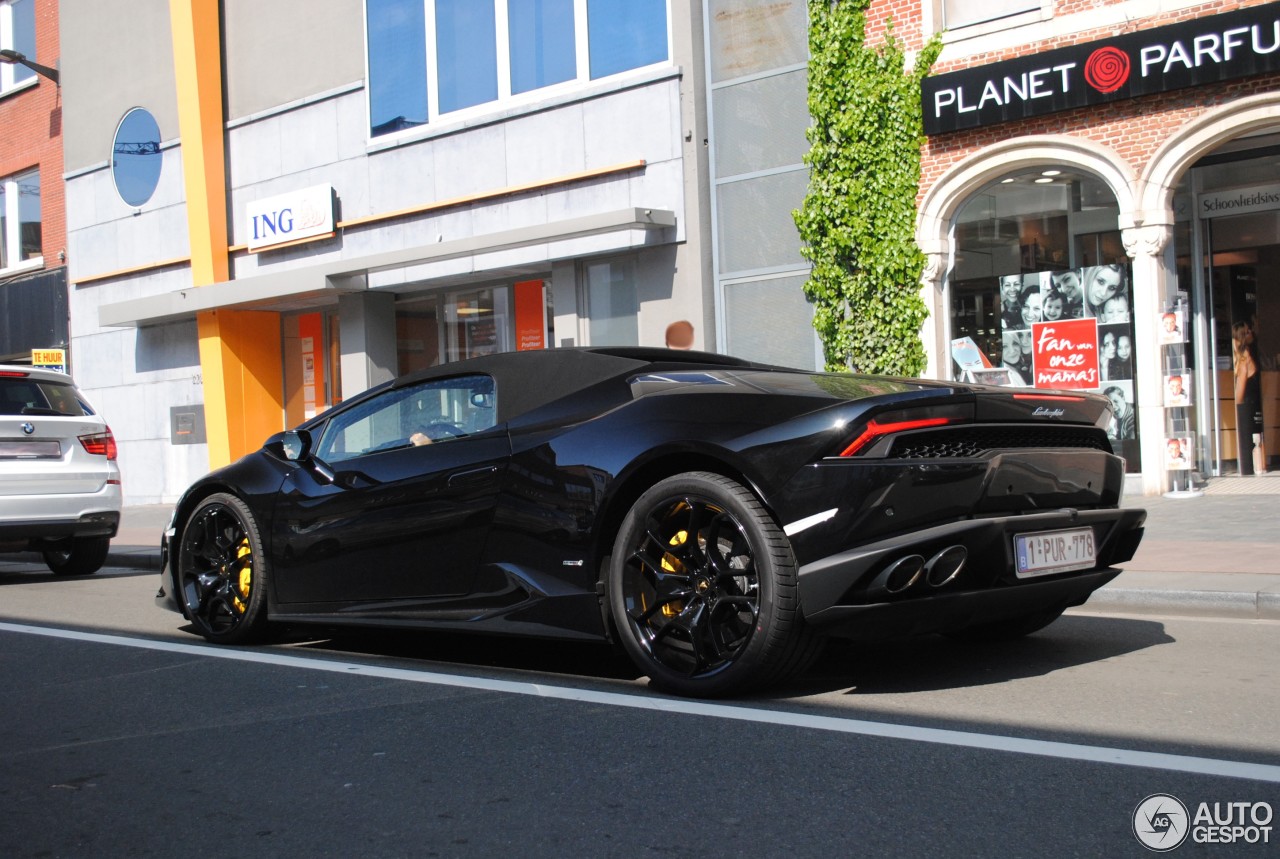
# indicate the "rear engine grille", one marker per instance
pixel 975 441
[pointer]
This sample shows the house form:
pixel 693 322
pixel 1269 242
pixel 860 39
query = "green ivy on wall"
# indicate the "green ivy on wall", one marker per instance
pixel 858 218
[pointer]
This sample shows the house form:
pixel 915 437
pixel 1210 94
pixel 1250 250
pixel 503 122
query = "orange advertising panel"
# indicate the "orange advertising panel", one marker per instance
pixel 531 315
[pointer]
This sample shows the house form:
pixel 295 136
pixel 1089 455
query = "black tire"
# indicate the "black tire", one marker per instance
pixel 714 615
pixel 1010 629
pixel 82 556
pixel 222 572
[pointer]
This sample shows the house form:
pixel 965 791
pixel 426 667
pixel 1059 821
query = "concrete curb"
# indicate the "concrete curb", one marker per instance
pixel 1259 605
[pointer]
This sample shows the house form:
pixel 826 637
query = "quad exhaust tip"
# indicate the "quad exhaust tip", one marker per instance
pixel 943 567
pixel 900 575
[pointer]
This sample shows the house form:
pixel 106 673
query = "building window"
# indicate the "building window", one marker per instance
pixel 964 13
pixel 429 59
pixel 545 54
pixel 17 33
pixel 20 221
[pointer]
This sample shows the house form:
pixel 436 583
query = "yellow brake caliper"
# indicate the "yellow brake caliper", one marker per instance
pixel 672 565
pixel 244 555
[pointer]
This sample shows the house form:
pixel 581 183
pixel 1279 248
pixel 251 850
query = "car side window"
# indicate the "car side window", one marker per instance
pixel 432 412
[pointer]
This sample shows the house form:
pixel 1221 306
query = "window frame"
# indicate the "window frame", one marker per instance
pixel 506 99
pixel 13 76
pixel 11 235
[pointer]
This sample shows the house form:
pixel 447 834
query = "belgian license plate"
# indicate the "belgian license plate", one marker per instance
pixel 23 449
pixel 1047 552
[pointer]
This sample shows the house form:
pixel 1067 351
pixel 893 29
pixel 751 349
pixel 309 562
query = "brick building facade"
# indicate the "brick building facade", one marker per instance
pixel 1121 189
pixel 33 282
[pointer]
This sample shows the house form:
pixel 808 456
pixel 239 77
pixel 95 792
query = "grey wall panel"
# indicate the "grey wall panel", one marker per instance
pixel 116 55
pixel 286 50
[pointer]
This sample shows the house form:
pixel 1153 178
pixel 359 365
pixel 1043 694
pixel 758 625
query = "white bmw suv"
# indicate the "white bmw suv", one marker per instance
pixel 60 490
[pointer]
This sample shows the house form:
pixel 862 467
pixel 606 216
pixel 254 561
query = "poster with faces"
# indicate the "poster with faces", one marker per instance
pixel 1177 390
pixel 1178 453
pixel 1172 328
pixel 1100 293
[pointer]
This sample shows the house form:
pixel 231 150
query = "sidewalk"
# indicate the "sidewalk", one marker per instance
pixel 1215 554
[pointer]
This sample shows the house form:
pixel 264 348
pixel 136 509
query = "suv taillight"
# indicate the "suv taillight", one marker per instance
pixel 100 444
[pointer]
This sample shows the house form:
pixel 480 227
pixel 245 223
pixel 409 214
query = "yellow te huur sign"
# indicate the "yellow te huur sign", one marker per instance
pixel 50 359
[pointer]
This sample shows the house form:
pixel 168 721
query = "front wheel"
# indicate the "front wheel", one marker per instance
pixel 703 589
pixel 222 571
pixel 81 556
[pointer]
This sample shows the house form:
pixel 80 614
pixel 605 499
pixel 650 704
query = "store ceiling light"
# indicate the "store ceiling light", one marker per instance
pixel 1044 181
pixel 1050 172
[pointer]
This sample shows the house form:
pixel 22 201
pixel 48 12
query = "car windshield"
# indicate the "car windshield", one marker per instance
pixel 416 415
pixel 28 396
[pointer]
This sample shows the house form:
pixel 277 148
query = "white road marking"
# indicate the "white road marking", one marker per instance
pixel 885 730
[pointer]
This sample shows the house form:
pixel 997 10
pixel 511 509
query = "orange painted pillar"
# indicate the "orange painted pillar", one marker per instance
pixel 239 350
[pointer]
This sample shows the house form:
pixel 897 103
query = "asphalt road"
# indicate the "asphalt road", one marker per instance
pixel 126 736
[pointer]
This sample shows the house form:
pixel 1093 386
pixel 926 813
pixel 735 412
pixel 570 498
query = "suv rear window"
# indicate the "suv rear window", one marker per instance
pixel 37 397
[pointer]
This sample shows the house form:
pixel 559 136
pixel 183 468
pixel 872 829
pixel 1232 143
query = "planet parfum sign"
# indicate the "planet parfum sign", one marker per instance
pixel 1187 54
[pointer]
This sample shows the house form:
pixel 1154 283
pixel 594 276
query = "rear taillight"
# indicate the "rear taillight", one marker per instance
pixel 905 420
pixel 100 444
pixel 874 430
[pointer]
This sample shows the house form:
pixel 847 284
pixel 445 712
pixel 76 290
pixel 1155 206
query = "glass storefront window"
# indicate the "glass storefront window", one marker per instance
pixel 417 334
pixel 477 322
pixel 613 306
pixel 1041 294
pixel 1227 246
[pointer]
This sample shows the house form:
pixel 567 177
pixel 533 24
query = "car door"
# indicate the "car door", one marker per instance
pixel 416 472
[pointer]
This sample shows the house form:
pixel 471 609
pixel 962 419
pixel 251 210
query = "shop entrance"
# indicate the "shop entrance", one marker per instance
pixel 1240 285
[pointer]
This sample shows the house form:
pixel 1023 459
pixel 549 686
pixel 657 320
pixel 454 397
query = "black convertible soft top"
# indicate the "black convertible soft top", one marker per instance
pixel 530 380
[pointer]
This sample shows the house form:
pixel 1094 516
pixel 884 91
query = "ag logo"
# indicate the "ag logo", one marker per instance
pixel 1161 823
pixel 1107 69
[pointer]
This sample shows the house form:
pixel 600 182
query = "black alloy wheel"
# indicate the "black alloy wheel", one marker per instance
pixel 702 586
pixel 222 570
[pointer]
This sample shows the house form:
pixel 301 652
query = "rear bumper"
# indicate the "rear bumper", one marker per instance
pixel 91 523
pixel 837 592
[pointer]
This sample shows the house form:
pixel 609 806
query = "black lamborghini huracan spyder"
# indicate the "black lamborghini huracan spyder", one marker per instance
pixel 719 518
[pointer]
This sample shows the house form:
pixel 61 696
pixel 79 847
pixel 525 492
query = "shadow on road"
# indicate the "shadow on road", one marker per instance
pixel 935 662
pixel 578 659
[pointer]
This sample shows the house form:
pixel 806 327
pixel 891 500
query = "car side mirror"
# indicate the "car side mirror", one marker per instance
pixel 297 446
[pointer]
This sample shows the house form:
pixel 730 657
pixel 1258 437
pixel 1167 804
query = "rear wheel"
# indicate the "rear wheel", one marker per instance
pixel 222 571
pixel 80 556
pixel 702 587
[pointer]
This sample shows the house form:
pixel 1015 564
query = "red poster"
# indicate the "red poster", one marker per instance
pixel 531 316
pixel 1065 353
